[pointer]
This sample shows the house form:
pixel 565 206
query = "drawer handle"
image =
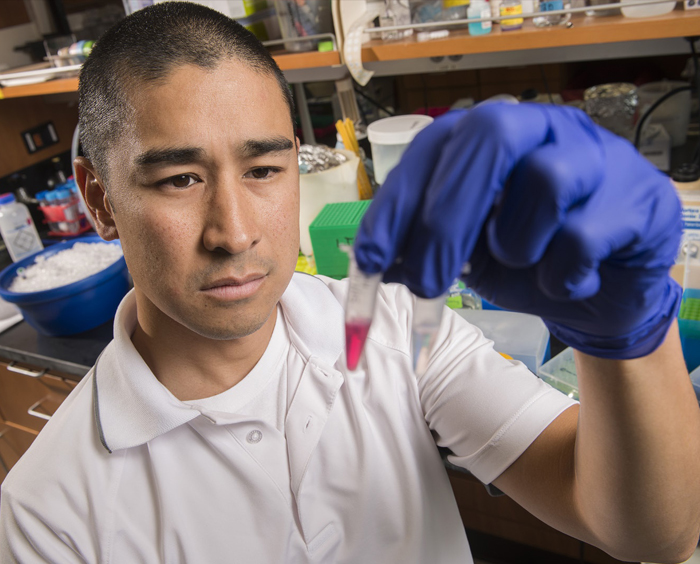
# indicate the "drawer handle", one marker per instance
pixel 32 411
pixel 12 367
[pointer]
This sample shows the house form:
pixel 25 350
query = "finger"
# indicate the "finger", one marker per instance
pixel 544 186
pixel 384 227
pixel 473 167
pixel 570 268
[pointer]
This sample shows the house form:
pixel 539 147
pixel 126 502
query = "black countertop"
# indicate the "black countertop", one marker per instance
pixel 73 355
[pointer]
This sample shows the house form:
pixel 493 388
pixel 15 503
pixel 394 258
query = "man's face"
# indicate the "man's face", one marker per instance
pixel 204 187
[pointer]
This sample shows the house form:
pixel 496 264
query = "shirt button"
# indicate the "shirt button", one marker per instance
pixel 254 437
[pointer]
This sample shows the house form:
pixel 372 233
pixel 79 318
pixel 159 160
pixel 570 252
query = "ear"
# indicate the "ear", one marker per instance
pixel 298 143
pixel 95 195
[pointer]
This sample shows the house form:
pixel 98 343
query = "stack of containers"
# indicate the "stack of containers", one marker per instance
pixel 63 210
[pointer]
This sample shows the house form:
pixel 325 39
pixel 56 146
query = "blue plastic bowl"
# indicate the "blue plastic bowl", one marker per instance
pixel 72 308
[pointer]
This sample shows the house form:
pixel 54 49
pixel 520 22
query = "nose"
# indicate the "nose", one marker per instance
pixel 231 223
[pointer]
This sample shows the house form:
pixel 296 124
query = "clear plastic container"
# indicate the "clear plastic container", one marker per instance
pixel 454 9
pixel 600 13
pixel 389 138
pixel 17 228
pixel 649 11
pixel 549 6
pixel 560 373
pixel 302 19
pixel 522 336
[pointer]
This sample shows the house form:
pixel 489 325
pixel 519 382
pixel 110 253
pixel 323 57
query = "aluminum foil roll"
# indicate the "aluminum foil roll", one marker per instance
pixel 614 106
pixel 316 158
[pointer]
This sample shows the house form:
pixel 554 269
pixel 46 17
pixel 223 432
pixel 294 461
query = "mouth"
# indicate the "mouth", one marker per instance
pixel 234 288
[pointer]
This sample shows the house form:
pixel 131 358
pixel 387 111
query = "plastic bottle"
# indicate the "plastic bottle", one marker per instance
pixel 69 203
pixel 549 21
pixel 479 9
pixel 511 8
pixel 17 228
pixel 495 10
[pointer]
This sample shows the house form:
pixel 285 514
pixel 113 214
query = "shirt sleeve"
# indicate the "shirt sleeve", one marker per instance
pixel 485 409
pixel 26 539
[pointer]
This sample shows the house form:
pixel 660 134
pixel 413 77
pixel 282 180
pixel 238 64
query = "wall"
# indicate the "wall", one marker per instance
pixel 16 28
pixel 443 89
pixel 19 114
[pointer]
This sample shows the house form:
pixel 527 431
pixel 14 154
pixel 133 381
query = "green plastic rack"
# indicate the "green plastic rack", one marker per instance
pixel 335 224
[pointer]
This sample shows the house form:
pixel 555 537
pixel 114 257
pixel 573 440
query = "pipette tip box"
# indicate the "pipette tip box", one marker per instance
pixel 335 224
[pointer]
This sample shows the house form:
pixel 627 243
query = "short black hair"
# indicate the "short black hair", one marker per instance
pixel 146 47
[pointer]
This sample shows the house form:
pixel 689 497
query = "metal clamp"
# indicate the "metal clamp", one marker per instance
pixel 12 367
pixel 32 411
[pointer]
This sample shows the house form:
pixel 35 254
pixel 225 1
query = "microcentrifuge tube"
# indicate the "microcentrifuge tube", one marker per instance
pixel 427 315
pixel 359 308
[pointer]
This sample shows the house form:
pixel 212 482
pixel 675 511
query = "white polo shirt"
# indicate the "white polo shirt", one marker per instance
pixel 126 473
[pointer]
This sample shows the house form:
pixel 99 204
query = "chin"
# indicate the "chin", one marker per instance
pixel 226 331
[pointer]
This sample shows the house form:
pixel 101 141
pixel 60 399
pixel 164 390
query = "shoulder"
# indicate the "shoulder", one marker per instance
pixel 66 467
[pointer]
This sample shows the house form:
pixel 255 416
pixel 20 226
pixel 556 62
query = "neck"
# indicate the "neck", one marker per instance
pixel 192 366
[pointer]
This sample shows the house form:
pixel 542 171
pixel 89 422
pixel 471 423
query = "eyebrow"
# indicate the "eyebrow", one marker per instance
pixel 259 147
pixel 184 155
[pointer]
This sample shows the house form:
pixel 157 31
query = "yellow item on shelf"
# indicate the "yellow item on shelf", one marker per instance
pixel 347 134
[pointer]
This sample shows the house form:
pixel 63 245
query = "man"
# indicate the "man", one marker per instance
pixel 221 424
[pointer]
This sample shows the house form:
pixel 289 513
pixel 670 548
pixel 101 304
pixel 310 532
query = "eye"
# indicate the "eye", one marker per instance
pixel 180 181
pixel 263 172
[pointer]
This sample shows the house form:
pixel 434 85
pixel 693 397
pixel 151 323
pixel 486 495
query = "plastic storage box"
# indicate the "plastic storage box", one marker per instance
pixel 72 308
pixel 522 336
pixel 695 380
pixel 560 373
pixel 336 224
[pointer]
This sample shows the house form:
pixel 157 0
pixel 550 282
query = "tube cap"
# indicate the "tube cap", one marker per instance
pixel 7 198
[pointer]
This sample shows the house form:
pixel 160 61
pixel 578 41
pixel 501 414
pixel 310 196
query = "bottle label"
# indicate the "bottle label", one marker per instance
pixel 550 5
pixel 485 13
pixel 21 240
pixel 454 3
pixel 515 10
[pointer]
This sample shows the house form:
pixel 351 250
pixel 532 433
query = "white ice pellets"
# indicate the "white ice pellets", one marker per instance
pixel 65 267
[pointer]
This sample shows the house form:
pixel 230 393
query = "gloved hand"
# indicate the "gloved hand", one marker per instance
pixel 556 216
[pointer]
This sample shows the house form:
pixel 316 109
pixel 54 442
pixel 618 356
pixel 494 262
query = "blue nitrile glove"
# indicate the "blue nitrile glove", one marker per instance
pixel 557 216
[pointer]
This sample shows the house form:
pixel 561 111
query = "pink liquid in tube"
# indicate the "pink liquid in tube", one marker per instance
pixel 355 337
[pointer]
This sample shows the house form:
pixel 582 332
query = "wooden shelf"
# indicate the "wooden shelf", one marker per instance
pixel 55 86
pixel 285 60
pixel 585 31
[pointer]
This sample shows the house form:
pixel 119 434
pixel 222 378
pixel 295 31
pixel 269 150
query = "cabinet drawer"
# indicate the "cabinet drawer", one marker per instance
pixel 28 397
pixel 13 444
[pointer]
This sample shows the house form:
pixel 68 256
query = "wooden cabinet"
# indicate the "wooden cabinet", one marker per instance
pixel 28 398
pixel 13 444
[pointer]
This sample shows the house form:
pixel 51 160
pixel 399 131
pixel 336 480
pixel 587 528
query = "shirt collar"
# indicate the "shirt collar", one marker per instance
pixel 132 407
